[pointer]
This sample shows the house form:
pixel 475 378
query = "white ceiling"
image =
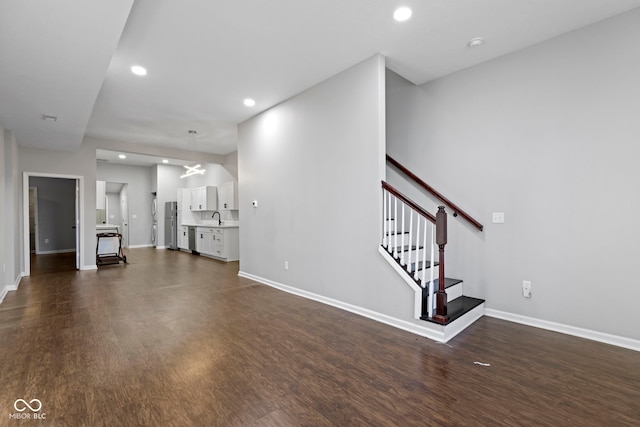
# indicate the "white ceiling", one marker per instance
pixel 71 58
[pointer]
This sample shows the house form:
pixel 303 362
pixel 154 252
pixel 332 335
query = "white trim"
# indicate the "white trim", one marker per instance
pixel 616 340
pixel 89 267
pixel 417 290
pixel 57 251
pixel 36 226
pixel 25 215
pixel 436 334
pixel 16 283
pixel 462 323
pixel 138 246
pixel 3 293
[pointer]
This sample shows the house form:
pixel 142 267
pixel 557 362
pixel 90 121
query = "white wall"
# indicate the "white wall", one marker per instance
pixel 139 197
pixel 9 220
pixel 79 163
pixel 56 214
pixel 113 201
pixel 231 164
pixel 168 181
pixel 215 175
pixel 11 211
pixel 313 163
pixel 549 135
pixel 3 279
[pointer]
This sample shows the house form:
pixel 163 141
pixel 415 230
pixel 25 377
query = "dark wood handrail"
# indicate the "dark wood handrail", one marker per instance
pixel 435 193
pixel 409 202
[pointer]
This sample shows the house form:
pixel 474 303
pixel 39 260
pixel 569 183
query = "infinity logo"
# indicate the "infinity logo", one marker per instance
pixel 28 405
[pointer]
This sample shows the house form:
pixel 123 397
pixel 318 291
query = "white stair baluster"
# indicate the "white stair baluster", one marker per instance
pixel 395 227
pixel 424 253
pixel 417 256
pixel 410 235
pixel 402 260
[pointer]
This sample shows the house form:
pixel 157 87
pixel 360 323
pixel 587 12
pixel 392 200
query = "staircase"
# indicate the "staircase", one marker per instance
pixel 413 242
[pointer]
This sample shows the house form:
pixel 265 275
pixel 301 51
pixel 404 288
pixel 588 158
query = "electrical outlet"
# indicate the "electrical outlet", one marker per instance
pixel 286 265
pixel 526 288
pixel 46 240
pixel 498 218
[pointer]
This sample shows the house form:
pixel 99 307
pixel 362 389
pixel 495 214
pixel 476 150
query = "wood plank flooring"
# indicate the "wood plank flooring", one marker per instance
pixel 173 339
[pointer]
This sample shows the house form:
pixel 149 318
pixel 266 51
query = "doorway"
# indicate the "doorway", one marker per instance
pixel 33 219
pixel 117 212
pixel 52 221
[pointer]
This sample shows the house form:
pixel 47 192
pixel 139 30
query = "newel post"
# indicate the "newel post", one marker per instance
pixel 441 240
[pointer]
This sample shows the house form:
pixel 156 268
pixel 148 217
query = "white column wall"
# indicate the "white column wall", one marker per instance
pixel 313 165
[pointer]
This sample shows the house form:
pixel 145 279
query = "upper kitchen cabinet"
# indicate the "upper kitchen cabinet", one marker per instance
pixel 101 194
pixel 204 198
pixel 228 197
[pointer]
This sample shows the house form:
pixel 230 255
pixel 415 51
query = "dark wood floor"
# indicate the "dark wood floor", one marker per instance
pixel 172 339
pixel 52 263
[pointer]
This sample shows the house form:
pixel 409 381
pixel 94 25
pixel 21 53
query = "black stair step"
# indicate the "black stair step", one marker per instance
pixel 405 248
pixel 427 264
pixel 399 232
pixel 457 308
pixel 448 282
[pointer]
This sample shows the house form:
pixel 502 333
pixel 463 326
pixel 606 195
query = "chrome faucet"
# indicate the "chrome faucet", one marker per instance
pixel 219 217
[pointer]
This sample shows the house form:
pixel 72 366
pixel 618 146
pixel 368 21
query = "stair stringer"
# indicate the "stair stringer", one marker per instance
pixel 417 305
pixel 443 333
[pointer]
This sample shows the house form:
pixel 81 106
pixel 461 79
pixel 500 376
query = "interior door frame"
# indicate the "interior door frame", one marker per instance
pixel 35 222
pixel 79 217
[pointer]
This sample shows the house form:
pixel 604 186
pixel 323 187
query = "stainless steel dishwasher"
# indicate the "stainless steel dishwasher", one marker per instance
pixel 192 240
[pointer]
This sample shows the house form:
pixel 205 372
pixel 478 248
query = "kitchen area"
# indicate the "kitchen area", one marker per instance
pixel 198 214
pixel 204 221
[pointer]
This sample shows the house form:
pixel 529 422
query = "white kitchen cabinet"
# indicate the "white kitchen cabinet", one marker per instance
pixel 204 198
pixel 101 194
pixel 183 237
pixel 204 240
pixel 228 196
pixel 218 242
pixel 184 206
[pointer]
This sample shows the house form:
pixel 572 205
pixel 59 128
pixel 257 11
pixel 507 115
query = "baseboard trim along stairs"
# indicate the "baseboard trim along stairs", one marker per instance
pixel 434 331
pixel 462 310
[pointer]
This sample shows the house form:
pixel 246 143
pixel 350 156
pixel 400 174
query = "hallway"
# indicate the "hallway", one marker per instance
pixel 176 339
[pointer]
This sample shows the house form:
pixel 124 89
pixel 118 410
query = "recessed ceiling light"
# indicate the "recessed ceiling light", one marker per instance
pixel 401 14
pixel 249 102
pixel 475 42
pixel 139 70
pixel 122 156
pixel 165 161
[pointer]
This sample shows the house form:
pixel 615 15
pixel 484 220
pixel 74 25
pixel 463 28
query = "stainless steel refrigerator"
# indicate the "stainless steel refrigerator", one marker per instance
pixel 171 225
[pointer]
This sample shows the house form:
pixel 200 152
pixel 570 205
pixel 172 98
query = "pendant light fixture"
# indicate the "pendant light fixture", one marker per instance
pixel 193 170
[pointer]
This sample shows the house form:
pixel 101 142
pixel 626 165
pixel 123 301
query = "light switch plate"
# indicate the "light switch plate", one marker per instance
pixel 498 218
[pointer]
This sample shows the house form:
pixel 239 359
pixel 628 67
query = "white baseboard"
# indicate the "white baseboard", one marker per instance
pixel 89 267
pixel 616 340
pixel 429 330
pixel 12 287
pixel 138 246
